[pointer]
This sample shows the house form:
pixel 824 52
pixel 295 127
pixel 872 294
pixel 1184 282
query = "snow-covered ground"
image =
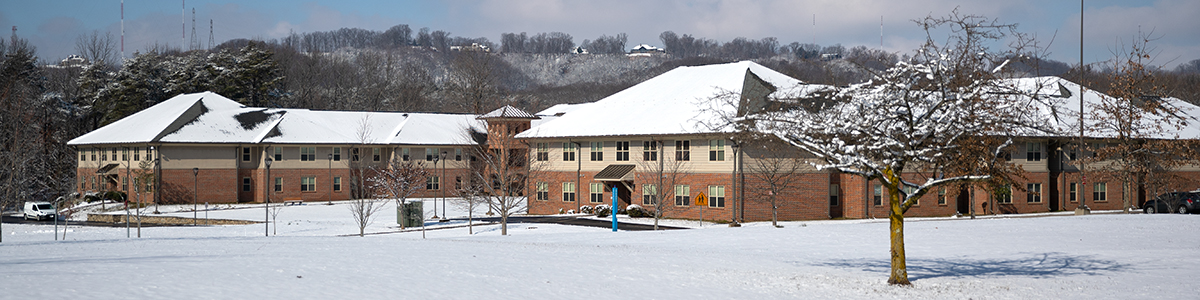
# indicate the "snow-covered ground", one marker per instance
pixel 1109 256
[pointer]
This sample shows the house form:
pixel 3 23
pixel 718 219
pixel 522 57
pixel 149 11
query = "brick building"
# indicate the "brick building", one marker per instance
pixel 212 147
pixel 583 151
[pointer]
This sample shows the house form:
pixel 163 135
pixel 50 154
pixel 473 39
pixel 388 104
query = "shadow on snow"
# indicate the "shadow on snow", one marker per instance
pixel 1037 266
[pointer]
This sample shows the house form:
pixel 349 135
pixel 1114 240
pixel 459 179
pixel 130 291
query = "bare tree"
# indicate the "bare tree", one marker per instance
pixel 364 205
pixel 399 180
pixel 499 173
pixel 1146 148
pixel 773 169
pixel 470 198
pixel 96 47
pixel 275 210
pixel 662 174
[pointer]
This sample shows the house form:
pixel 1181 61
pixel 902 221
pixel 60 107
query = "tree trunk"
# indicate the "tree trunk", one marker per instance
pixel 774 211
pixel 504 223
pixel 899 273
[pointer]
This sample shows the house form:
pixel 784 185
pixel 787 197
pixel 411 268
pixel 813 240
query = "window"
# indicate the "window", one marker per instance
pixel 245 184
pixel 650 151
pixel 597 151
pixel 834 192
pixel 1004 194
pixel 1033 151
pixel 941 196
pixel 458 154
pixel 908 190
pixel 337 184
pixel 278 184
pixel 716 196
pixel 623 151
pixel 93 153
pixel 308 153
pixel 683 150
pixel 433 183
pixel 568 191
pixel 1074 194
pixel 543 151
pixel 681 195
pixel 114 153
pixel 82 155
pixel 430 153
pixel 278 153
pixel 543 191
pixel 136 152
pixel 458 182
pixel 1033 192
pixel 568 151
pixel 354 154
pixel 649 194
pixel 337 153
pixel 125 184
pixel 716 150
pixel 1100 192
pixel 125 153
pixel 405 154
pixel 596 192
pixel 375 154
pixel 308 184
pixel 103 154
pixel 878 195
pixel 245 153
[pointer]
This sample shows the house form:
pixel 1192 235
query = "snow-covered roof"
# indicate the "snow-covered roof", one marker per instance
pixel 561 109
pixel 508 112
pixel 676 102
pixel 1062 111
pixel 211 118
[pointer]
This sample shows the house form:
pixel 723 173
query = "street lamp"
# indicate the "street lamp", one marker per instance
pixel 195 173
pixel 578 168
pixel 330 197
pixel 441 183
pixel 267 204
pixel 435 215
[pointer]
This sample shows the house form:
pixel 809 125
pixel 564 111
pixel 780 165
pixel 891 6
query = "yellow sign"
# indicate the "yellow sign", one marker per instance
pixel 701 199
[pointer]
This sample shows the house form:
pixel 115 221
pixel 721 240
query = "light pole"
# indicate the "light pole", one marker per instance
pixel 435 215
pixel 578 168
pixel 441 182
pixel 267 204
pixel 195 173
pixel 330 197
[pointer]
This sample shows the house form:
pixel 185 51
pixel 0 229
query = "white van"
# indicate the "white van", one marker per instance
pixel 39 210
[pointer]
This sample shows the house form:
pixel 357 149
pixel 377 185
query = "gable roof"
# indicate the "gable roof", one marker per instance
pixel 211 118
pixel 676 102
pixel 1062 110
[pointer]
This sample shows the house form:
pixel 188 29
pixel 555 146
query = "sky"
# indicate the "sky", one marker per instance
pixel 1109 25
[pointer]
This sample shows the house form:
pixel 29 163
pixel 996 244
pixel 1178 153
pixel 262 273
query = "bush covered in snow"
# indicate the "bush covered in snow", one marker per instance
pixel 586 209
pixel 602 210
pixel 637 211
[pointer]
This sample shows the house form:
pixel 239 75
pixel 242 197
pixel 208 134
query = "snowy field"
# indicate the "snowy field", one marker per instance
pixel 1109 256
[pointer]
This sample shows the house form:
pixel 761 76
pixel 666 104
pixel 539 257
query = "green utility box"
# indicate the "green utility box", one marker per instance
pixel 410 214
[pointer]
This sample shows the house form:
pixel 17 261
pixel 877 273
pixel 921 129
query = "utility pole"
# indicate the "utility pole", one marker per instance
pixel 194 44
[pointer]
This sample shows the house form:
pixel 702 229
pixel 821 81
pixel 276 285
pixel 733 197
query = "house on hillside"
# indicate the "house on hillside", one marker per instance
pixel 220 150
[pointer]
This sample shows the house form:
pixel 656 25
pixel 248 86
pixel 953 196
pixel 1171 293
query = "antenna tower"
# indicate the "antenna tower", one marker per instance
pixel 194 44
pixel 210 34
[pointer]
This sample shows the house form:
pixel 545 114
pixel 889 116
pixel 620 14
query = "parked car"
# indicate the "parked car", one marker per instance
pixel 1178 202
pixel 39 210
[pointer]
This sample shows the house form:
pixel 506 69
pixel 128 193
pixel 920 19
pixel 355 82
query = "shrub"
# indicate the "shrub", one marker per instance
pixel 602 210
pixel 585 209
pixel 636 211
